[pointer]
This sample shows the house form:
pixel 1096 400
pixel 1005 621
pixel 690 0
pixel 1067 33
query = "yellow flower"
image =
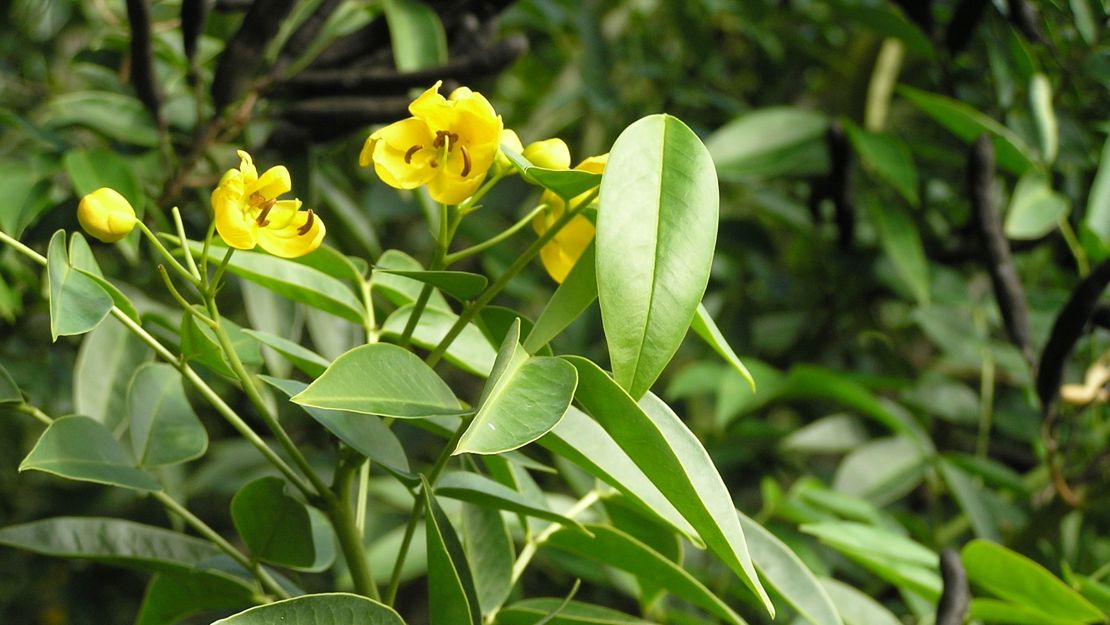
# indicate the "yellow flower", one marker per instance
pixel 501 162
pixel 549 153
pixel 448 144
pixel 106 215
pixel 248 212
pixel 563 251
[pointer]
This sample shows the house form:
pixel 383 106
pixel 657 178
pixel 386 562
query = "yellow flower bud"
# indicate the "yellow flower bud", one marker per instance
pixel 106 215
pixel 549 153
pixel 510 139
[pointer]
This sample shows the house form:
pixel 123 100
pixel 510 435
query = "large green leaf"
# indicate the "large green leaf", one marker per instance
pixel 786 573
pixel 471 351
pixel 888 157
pixel 897 559
pixel 573 296
pixel 674 460
pixel 323 609
pixel 615 548
pixel 524 397
pixel 704 326
pixel 531 611
pixel 82 259
pixel 656 230
pixel 478 489
pixel 276 527
pixel 364 433
pixel 105 364
pixel 80 448
pixel 164 429
pixel 452 598
pixel 771 142
pixel 967 123
pixel 111 541
pixel 489 550
pixel 381 379
pixel 171 597
pixel 1015 578
pixel 416 34
pixel 856 607
pixel 77 302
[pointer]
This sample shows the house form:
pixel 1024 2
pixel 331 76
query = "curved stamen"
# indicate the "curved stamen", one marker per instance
pixel 411 151
pixel 262 221
pixel 303 230
pixel 466 161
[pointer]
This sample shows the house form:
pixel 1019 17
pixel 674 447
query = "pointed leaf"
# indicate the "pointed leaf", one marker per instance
pixel 471 351
pixel 77 303
pixel 674 460
pixel 489 550
pixel 704 326
pixel 770 142
pixel 164 429
pixel 461 285
pixel 888 157
pixel 80 448
pixel 9 390
pixel 856 607
pixel 172 597
pixel 478 489
pixel 573 296
pixel 656 230
pixel 323 609
pixel 566 183
pixel 1035 209
pixel 399 289
pixel 307 361
pixel 452 599
pixel 416 34
pixel 901 243
pixel 381 379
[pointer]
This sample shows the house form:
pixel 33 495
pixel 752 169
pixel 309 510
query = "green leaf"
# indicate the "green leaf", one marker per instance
pixel 897 559
pixel 995 611
pixel 786 573
pixel 416 34
pixel 529 611
pixel 77 302
pixel 902 244
pixel 489 550
pixel 855 607
pixel 292 280
pixel 9 390
pixel 381 379
pixel 80 448
pixel 615 548
pixel 478 489
pixel 674 460
pixel 275 527
pixel 565 183
pixel 1040 102
pixel 967 123
pixel 452 599
pixel 1097 217
pixel 164 429
pixel 1015 578
pixel 307 361
pixel 968 495
pixel 199 344
pixel 471 351
pixel 882 470
pixel 656 230
pixel 114 115
pixel 172 597
pixel 397 288
pixel 888 157
pixel 524 397
pixel 573 296
pixel 322 609
pixel 461 285
pixel 111 541
pixel 92 169
pixel 107 360
pixel 771 142
pixel 704 326
pixel 364 433
pixel 1035 209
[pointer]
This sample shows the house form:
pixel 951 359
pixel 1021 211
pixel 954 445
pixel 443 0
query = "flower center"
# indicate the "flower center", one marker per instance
pixel 443 143
pixel 263 206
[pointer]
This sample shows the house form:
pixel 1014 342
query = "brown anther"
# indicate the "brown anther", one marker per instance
pixel 434 163
pixel 303 230
pixel 413 150
pixel 466 161
pixel 262 221
pixel 445 137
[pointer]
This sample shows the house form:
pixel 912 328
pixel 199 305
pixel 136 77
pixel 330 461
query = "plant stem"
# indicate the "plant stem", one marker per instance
pixel 529 549
pixel 33 411
pixel 268 583
pixel 214 285
pixel 170 260
pixel 189 261
pixel 349 534
pixel 443 242
pixel 451 259
pixel 1082 263
pixel 520 263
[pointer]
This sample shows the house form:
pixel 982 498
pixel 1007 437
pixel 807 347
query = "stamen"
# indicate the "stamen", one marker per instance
pixel 434 163
pixel 303 230
pixel 466 161
pixel 262 221
pixel 413 150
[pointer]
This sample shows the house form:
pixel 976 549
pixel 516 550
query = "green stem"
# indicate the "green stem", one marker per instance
pixel 1075 247
pixel 451 259
pixel 214 285
pixel 350 537
pixel 170 260
pixel 22 249
pixel 33 411
pixel 369 323
pixel 180 299
pixel 443 242
pixel 268 583
pixel 189 261
pixel 418 509
pixel 529 549
pixel 520 263
pixel 204 254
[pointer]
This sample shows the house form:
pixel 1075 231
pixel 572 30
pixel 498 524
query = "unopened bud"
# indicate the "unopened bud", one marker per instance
pixel 106 215
pixel 549 153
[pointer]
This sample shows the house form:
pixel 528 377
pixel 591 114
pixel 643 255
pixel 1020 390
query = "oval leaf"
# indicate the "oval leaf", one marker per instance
pixel 489 549
pixel 275 526
pixel 656 230
pixel 1035 209
pixel 172 597
pixel 771 142
pixel 80 448
pixel 164 429
pixel 105 364
pixel 381 379
pixel 323 609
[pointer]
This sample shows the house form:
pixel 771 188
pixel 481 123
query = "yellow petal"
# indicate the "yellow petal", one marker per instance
pixel 106 215
pixel 293 239
pixel 450 188
pixel 433 108
pixel 594 164
pixel 236 228
pixel 246 165
pixel 403 154
pixel 271 184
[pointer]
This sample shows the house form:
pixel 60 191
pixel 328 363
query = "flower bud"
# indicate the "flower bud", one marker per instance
pixel 509 139
pixel 549 153
pixel 106 215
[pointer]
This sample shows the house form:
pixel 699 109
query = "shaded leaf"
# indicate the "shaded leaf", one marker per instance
pixel 80 448
pixel 322 609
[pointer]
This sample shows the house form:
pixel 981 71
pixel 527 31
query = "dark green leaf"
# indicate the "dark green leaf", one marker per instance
pixel 304 359
pixel 323 609
pixel 452 599
pixel 80 448
pixel 9 390
pixel 107 360
pixel 481 490
pixel 489 550
pixel 275 526
pixel 888 157
pixel 171 597
pixel 416 34
pixel 461 285
pixel 573 296
pixel 471 351
pixel 77 302
pixel 164 429
pixel 565 183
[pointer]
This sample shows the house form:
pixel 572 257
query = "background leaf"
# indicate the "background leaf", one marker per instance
pixel 164 429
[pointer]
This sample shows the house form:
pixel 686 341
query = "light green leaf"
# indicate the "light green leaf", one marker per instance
pixel 902 245
pixel 524 397
pixel 786 573
pixel 471 351
pixel 704 326
pixel 112 541
pixel 77 302
pixel 968 123
pixel 9 390
pixel 114 115
pixel 1035 209
pixel 656 230
pixel 199 344
pixel 452 599
pixel 771 142
pixel 323 609
pixel 489 550
pixel 92 169
pixel 565 183
pixel 615 548
pixel 275 526
pixel 416 34
pixel 164 429
pixel 80 448
pixel 107 360
pixel 399 289
pixel 1015 578
pixel 888 157
pixel 461 285
pixel 967 494
pixel 674 460
pixel 897 559
pixel 307 361
pixel 381 379
pixel 1003 612
pixel 882 470
pixel 481 490
pixel 855 607
pixel 172 597
pixel 1097 217
pixel 529 611
pixel 1040 102
pixel 573 296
